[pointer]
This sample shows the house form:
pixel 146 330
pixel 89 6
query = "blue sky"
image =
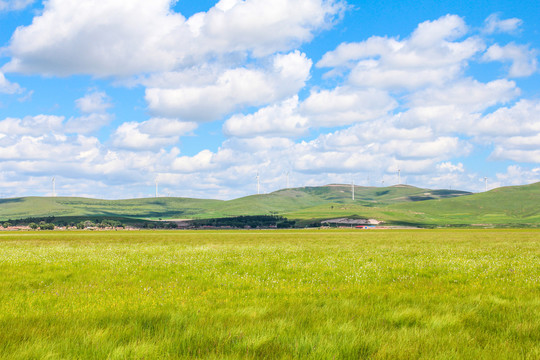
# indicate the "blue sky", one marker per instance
pixel 108 97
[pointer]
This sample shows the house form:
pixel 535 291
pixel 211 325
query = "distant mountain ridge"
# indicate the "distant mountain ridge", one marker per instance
pixel 398 204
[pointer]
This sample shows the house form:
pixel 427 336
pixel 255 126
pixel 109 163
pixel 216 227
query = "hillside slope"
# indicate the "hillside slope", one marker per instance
pixel 401 204
pixel 505 205
pixel 282 201
pixel 296 199
pixel 19 208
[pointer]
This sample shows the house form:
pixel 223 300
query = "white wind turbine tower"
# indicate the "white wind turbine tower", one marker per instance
pixel 54 186
pixel 258 183
pixel 399 176
pixel 485 180
pixel 288 180
pixel 156 187
pixel 352 188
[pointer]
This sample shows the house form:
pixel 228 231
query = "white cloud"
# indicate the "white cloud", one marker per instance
pixel 517 175
pixel 166 127
pixel 449 167
pixel 88 123
pixel 94 102
pixel 457 107
pixel 232 89
pixel 442 119
pixel 94 106
pixel 344 106
pixel 7 87
pixel 524 61
pixel 99 38
pixel 280 119
pixel 323 108
pixel 13 5
pixel 262 27
pixel 508 150
pixel 204 160
pixel 377 146
pixel 493 24
pixel 209 67
pixel 31 125
pixel 514 131
pixel 467 94
pixel 119 38
pixel 152 134
pixel 258 144
pixel 430 56
pixel 522 119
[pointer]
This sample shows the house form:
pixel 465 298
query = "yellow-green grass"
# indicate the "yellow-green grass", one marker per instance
pixel 415 294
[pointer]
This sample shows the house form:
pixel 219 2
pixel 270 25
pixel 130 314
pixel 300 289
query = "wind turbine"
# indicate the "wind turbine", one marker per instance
pixel 485 180
pixel 54 186
pixel 352 188
pixel 288 180
pixel 399 176
pixel 258 183
pixel 156 187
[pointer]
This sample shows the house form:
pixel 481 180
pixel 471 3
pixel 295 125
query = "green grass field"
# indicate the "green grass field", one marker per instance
pixel 416 294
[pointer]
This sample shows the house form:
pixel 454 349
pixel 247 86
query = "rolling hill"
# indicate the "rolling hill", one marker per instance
pixel 281 201
pixel 400 204
pixel 519 205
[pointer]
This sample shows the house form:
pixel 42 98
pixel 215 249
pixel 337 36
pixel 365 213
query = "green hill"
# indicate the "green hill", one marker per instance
pixel 173 208
pixel 507 205
pixel 290 200
pixel 281 201
pixel 400 204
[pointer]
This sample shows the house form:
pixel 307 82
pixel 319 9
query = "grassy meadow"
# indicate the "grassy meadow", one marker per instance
pixel 317 294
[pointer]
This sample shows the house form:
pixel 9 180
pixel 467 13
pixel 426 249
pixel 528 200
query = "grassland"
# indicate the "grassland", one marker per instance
pixel 424 294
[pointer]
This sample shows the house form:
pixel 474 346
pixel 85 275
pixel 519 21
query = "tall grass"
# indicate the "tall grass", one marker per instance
pixel 270 294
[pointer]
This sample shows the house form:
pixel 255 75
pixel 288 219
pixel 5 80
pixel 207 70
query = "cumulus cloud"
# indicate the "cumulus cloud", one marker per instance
pixel 430 56
pixel 514 131
pixel 517 175
pixel 523 59
pixel 31 125
pixel 457 107
pixel 118 38
pixel 521 119
pixel 377 146
pixel 323 108
pixel 7 87
pixel 232 89
pixel 468 94
pixel 398 102
pixel 98 38
pixel 87 124
pixel 343 106
pixel 152 134
pixel 262 27
pixel 204 160
pixel 13 5
pixel 494 24
pixel 280 119
pixel 449 167
pixel 94 102
pixel 94 106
